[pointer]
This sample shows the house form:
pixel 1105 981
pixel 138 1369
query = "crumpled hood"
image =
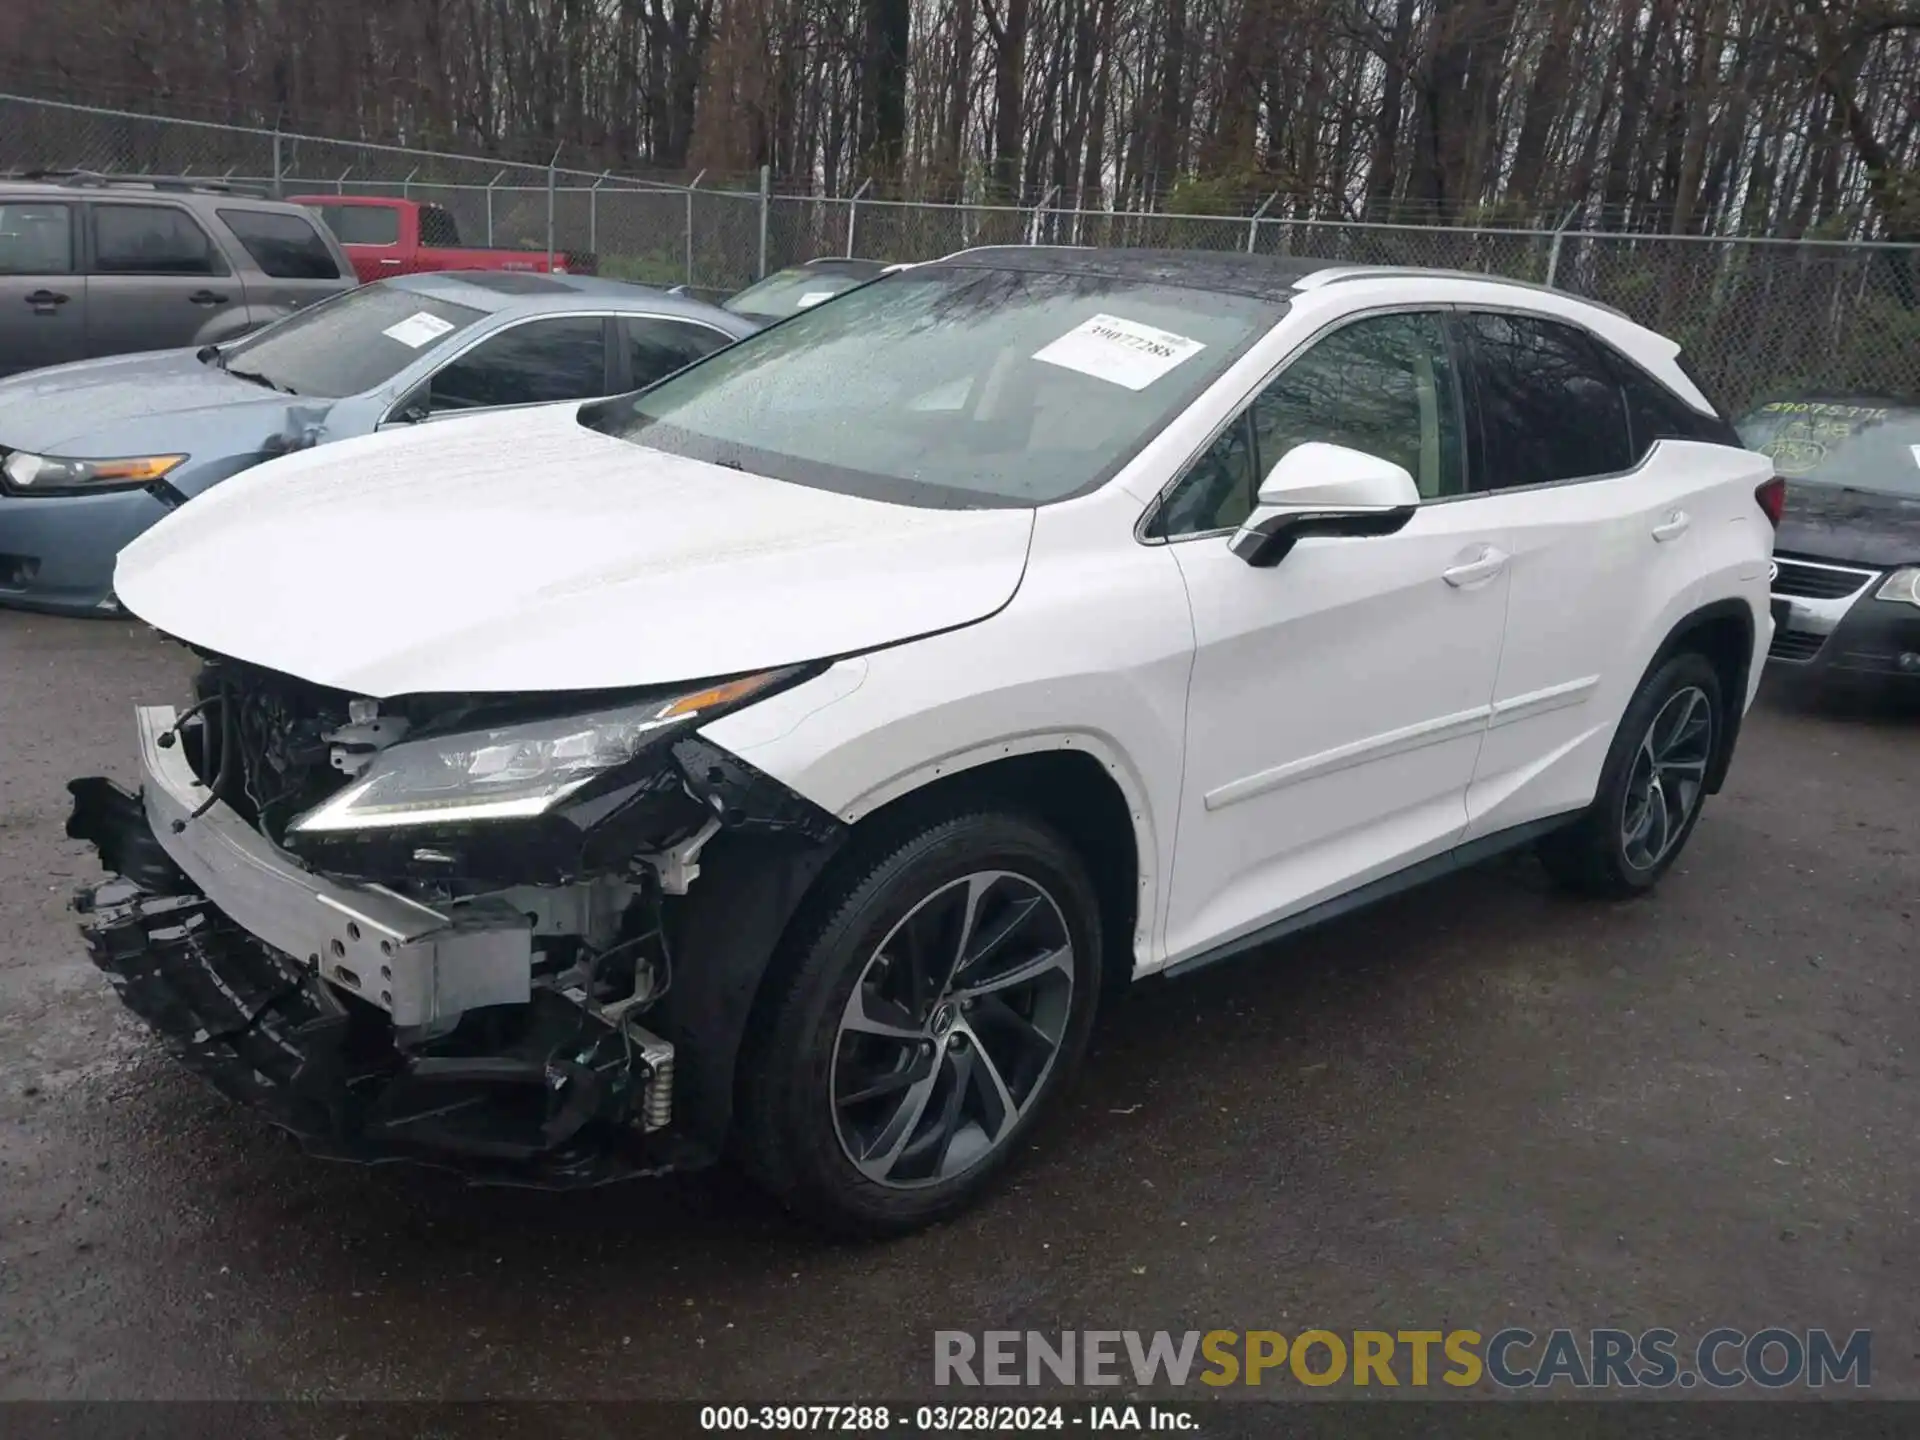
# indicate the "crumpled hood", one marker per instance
pixel 127 405
pixel 1860 527
pixel 524 552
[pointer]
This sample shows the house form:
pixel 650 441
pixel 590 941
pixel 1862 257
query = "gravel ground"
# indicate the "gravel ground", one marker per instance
pixel 1478 1105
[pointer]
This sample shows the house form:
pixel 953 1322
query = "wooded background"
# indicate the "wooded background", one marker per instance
pixel 1792 118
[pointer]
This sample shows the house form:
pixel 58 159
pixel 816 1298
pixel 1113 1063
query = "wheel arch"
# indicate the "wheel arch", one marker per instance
pixel 1722 632
pixel 1077 781
pixel 1068 782
pixel 734 927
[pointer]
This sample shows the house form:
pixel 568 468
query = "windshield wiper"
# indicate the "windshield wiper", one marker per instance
pixel 258 379
pixel 210 352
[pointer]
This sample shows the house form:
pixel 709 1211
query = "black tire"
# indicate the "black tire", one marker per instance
pixel 1594 855
pixel 788 1135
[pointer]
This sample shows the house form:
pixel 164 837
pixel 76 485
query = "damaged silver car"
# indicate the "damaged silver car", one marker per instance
pixel 93 454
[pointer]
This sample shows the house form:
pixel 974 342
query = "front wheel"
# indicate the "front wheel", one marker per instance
pixel 939 1001
pixel 1651 786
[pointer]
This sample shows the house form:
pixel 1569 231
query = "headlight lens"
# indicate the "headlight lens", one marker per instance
pixel 1901 585
pixel 513 771
pixel 53 475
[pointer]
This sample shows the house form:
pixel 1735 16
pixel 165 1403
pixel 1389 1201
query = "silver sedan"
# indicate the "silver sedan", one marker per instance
pixel 92 454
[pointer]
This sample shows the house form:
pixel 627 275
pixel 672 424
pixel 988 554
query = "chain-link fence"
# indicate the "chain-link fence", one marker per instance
pixel 638 227
pixel 1755 315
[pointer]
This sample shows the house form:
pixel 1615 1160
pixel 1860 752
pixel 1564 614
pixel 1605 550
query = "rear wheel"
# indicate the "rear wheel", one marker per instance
pixel 940 1001
pixel 1651 786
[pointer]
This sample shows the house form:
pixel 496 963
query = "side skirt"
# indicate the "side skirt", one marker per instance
pixel 1460 858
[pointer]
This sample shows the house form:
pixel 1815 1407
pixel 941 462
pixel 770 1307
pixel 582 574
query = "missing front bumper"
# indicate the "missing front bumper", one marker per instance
pixel 547 1095
pixel 372 1027
pixel 421 965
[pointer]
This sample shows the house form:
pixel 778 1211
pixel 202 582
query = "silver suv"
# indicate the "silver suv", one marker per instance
pixel 100 265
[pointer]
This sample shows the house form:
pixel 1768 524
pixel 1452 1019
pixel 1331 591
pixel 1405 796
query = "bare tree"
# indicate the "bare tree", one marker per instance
pixel 1787 117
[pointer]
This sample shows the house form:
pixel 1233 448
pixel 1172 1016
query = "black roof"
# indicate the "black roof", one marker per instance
pixel 1266 277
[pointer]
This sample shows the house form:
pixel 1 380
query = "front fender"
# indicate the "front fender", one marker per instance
pixel 300 427
pixel 1093 654
pixel 726 933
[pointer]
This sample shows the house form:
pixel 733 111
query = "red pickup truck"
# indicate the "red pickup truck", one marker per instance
pixel 404 237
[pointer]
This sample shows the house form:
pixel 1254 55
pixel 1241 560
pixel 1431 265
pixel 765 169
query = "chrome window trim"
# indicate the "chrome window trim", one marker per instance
pixel 1449 307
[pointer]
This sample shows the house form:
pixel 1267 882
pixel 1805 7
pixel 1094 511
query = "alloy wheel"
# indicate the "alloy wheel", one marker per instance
pixel 1668 775
pixel 952 1029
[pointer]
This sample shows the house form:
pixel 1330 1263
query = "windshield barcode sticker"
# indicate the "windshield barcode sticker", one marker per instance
pixel 1121 352
pixel 814 297
pixel 417 329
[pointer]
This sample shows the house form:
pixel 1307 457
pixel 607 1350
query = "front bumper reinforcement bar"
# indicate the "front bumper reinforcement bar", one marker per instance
pixel 535 1090
pixel 414 962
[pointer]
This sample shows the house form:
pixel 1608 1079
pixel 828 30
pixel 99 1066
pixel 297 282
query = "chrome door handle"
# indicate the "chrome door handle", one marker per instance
pixel 1490 563
pixel 1673 527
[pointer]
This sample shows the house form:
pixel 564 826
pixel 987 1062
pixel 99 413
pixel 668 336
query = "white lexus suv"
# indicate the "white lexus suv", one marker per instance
pixel 783 761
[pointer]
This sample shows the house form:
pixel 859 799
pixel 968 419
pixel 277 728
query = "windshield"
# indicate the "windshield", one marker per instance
pixel 952 386
pixel 1869 447
pixel 787 292
pixel 348 344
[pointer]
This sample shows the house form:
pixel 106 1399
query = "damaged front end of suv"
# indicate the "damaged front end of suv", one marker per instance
pixel 455 929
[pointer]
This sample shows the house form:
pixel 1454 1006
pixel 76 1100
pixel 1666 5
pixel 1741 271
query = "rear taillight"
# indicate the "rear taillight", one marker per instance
pixel 1772 497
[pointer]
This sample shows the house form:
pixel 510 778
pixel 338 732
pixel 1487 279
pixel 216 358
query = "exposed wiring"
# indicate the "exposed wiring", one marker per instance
pixel 180 725
pixel 598 959
pixel 227 747
pixel 658 931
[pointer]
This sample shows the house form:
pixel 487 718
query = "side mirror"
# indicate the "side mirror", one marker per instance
pixel 1322 489
pixel 410 411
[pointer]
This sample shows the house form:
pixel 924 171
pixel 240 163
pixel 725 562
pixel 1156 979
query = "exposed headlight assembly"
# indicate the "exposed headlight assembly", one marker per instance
pixel 1901 585
pixel 56 475
pixel 515 771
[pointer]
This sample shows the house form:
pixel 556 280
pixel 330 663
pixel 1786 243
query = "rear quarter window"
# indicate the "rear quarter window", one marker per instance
pixel 1551 409
pixel 1728 434
pixel 1655 412
pixel 284 246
